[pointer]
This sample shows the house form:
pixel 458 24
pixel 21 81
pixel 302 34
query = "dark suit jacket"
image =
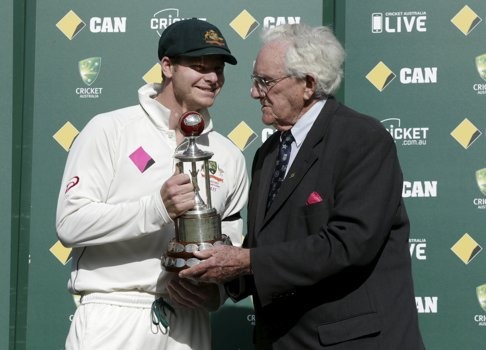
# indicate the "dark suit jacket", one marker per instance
pixel 335 274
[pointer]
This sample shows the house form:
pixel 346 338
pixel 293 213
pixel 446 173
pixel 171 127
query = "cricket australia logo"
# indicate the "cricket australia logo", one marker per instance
pixel 89 69
pixel 211 37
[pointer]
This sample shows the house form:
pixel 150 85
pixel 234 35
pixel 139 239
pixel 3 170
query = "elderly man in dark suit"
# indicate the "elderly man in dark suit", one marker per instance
pixel 326 255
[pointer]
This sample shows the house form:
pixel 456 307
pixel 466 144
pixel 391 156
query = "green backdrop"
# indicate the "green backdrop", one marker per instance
pixel 410 65
pixel 6 108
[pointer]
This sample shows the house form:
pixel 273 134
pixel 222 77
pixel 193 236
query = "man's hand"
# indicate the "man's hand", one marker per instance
pixel 178 194
pixel 221 264
pixel 194 295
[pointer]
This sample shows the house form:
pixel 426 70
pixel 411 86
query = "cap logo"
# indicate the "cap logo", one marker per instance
pixel 211 37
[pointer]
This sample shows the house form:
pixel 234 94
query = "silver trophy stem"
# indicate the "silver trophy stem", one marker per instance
pixel 208 185
pixel 200 205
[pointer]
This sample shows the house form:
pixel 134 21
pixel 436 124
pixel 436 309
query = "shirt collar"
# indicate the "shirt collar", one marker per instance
pixel 158 113
pixel 304 124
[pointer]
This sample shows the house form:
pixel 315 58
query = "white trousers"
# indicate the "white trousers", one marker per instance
pixel 119 321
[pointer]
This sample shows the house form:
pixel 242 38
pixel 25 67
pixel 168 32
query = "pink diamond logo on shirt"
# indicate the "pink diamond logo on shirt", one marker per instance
pixel 141 159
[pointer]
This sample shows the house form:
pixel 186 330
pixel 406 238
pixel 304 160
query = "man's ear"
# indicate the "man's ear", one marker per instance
pixel 167 67
pixel 310 87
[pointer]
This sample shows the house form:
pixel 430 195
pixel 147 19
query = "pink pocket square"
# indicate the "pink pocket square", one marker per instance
pixel 314 197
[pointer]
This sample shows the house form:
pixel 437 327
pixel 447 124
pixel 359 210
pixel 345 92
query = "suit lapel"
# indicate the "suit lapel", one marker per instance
pixel 307 156
pixel 263 182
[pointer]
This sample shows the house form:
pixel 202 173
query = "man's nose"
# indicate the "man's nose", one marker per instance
pixel 211 76
pixel 255 92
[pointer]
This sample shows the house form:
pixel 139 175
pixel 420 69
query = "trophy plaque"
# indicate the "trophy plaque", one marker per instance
pixel 200 227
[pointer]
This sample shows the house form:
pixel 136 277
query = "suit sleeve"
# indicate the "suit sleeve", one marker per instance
pixel 351 231
pixel 232 222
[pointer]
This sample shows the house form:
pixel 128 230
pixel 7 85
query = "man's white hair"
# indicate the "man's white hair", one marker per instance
pixel 313 51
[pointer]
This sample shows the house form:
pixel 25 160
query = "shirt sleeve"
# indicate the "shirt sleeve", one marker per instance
pixel 83 215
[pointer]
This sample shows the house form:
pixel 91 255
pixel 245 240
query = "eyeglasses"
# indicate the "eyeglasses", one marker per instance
pixel 263 84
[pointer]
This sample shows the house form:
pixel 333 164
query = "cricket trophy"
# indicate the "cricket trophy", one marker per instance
pixel 200 227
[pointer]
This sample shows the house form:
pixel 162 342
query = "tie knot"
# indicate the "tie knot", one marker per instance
pixel 287 137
